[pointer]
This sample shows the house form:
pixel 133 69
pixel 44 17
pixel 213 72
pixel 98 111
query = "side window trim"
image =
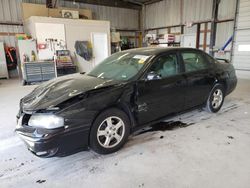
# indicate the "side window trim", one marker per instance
pixel 175 53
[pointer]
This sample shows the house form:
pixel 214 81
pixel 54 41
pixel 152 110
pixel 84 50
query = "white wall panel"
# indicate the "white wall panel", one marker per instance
pixel 168 12
pixel 15 10
pixel 244 15
pixel 223 33
pixel 226 9
pixel 10 10
pixel 197 10
pixel 241 58
pixel 163 13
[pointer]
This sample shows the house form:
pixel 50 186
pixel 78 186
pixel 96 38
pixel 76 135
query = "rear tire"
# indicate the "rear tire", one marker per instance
pixel 215 99
pixel 109 131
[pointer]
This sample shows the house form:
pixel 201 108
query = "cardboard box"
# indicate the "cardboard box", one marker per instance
pixel 83 13
pixel 29 9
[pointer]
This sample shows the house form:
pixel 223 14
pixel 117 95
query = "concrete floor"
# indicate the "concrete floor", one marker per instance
pixel 213 151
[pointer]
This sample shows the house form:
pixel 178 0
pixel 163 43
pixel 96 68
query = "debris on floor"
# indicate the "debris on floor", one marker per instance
pixel 40 181
pixel 163 126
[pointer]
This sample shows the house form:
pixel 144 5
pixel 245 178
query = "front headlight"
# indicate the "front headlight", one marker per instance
pixel 47 121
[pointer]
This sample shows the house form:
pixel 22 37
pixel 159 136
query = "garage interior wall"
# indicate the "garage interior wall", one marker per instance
pixel 225 30
pixel 114 15
pixel 241 51
pixel 10 11
pixel 161 14
pixel 169 13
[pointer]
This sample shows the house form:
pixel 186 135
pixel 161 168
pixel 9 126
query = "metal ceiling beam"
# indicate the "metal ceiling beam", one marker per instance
pixel 11 23
pixel 143 2
pixel 133 2
pixel 113 3
pixel 151 2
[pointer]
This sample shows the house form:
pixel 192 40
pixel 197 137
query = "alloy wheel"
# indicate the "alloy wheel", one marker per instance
pixel 110 132
pixel 217 98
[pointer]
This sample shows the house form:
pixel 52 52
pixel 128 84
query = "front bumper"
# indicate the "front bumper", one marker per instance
pixel 47 143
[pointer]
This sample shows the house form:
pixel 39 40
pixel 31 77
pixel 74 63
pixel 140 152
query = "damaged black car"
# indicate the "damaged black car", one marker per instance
pixel 127 91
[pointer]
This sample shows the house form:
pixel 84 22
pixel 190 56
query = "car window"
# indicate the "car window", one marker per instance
pixel 193 61
pixel 120 66
pixel 165 66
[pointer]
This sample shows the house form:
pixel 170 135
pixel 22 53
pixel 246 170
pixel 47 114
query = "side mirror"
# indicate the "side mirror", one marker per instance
pixel 153 76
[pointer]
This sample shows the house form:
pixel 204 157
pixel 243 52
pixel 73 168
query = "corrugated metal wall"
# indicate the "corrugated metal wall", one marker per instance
pixel 168 12
pixel 227 9
pixel 10 39
pixel 10 10
pixel 223 33
pixel 120 18
pixel 225 30
pixel 163 13
pixel 241 53
pixel 197 10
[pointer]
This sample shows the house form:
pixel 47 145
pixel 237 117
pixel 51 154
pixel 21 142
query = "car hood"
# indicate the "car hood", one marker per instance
pixel 53 92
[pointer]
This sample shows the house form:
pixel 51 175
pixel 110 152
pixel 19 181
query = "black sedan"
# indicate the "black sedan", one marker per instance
pixel 127 91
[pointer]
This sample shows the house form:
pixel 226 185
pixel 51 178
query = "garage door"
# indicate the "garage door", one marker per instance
pixel 241 53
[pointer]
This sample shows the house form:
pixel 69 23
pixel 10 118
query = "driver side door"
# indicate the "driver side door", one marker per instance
pixel 162 94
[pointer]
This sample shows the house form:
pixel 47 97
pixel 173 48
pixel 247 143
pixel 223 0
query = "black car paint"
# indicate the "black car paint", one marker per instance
pixel 80 98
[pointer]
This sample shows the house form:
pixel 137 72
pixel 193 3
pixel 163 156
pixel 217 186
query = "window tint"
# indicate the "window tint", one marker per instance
pixel 193 61
pixel 165 66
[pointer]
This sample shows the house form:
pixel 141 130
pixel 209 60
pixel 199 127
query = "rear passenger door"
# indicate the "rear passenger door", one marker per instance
pixel 197 70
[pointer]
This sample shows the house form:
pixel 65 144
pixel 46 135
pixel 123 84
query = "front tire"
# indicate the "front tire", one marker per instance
pixel 215 99
pixel 109 131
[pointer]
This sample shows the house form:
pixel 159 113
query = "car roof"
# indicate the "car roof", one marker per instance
pixel 156 50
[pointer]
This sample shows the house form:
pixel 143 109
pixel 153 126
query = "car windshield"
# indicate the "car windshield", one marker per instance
pixel 119 66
